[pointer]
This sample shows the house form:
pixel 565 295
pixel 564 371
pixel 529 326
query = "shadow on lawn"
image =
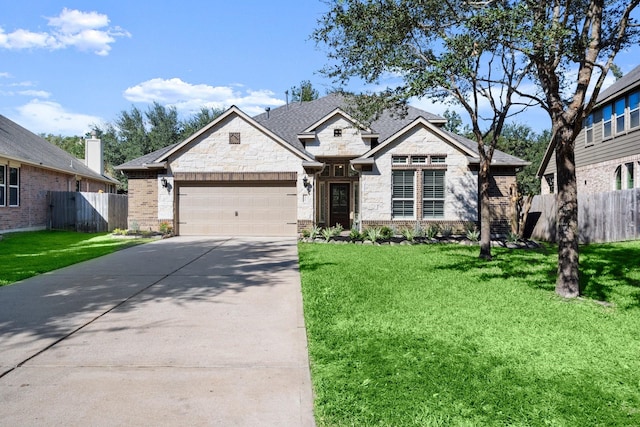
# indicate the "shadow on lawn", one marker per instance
pixel 607 272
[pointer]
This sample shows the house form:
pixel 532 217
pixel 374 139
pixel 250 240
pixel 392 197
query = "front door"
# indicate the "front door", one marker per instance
pixel 339 205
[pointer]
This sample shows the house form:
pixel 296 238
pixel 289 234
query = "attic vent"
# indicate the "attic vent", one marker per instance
pixel 337 132
pixel 234 137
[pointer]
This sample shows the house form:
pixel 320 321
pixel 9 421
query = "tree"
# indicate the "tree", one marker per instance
pixel 521 141
pixel 70 144
pixel 559 38
pixel 304 93
pixel 443 50
pixel 200 120
pixel 454 121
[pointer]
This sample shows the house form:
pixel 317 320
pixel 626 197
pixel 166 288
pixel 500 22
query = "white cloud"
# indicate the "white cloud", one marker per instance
pixel 86 31
pixel 5 75
pixel 189 98
pixel 50 117
pixel 35 93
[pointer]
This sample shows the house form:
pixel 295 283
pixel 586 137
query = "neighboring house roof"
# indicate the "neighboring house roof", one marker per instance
pixel 626 83
pixel 287 123
pixel 22 145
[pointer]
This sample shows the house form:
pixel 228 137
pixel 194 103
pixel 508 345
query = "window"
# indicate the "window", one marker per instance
pixel 14 187
pixel 619 107
pixel 322 199
pixel 326 171
pixel 629 167
pixel 634 111
pixel 3 186
pixel 338 170
pixel 433 194
pixel 438 159
pixel 617 180
pixel 550 182
pixel 400 160
pixel 606 121
pixel 588 130
pixel 337 132
pixel 402 194
pixel 418 159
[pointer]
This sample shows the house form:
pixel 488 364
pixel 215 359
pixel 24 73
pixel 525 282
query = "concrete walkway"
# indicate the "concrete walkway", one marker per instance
pixel 182 331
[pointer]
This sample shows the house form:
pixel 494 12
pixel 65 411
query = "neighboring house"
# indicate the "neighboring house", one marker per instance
pixel 309 163
pixel 607 149
pixel 30 167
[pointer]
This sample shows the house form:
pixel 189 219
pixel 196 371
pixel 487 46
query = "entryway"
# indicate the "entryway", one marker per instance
pixel 339 208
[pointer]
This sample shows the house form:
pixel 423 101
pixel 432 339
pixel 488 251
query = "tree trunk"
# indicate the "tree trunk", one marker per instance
pixel 485 213
pixel 568 281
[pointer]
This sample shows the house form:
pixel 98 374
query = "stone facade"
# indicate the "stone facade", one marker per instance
pixel 348 144
pixel 461 195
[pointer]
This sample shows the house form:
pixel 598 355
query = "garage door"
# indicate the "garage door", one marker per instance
pixel 238 210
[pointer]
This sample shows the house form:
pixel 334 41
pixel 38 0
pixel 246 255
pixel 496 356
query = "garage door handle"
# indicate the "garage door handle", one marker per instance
pixel 236 213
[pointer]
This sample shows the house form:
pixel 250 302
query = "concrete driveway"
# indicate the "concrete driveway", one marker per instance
pixel 182 331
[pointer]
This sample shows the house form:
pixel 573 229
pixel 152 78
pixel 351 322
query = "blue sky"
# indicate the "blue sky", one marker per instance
pixel 67 65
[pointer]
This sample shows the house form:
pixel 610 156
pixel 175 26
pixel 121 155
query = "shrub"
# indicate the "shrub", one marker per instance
pixel 408 233
pixel 306 233
pixel 386 232
pixel 354 234
pixel 432 231
pixel 314 232
pixel 327 233
pixel 473 235
pixel 373 234
pixel 165 227
pixel 446 231
pixel 512 237
pixel 338 229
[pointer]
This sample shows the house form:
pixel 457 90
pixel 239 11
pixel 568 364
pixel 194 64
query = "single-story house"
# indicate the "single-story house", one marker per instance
pixel 31 167
pixel 310 164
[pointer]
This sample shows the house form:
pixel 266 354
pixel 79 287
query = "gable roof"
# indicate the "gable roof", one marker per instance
pixel 24 146
pixel 287 123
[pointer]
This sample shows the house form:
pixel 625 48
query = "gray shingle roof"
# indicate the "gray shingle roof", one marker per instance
pixel 146 159
pixel 23 145
pixel 288 121
pixel 625 83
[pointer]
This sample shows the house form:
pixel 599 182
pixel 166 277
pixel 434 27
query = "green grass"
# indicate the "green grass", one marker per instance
pixel 432 336
pixel 24 255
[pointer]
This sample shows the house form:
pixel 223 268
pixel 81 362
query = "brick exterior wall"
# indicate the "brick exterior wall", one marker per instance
pixel 143 200
pixel 599 178
pixel 35 184
pixel 502 183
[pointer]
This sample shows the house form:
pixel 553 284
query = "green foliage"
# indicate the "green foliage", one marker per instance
pixel 372 234
pixel 386 232
pixel 423 336
pixel 446 231
pixel 454 121
pixel 327 233
pixel 304 93
pixel 408 233
pixel 473 235
pixel 354 234
pixel 31 253
pixel 71 144
pixel 432 231
pixel 166 227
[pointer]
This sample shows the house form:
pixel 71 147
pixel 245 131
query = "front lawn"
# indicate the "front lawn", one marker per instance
pixel 27 254
pixel 432 336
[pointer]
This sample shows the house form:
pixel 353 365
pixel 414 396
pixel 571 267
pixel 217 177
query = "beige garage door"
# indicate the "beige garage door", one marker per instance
pixel 238 210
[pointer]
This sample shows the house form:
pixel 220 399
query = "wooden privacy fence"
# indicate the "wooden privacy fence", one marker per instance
pixel 602 217
pixel 87 212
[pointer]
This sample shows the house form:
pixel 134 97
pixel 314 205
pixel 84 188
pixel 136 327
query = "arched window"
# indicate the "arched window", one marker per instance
pixel 617 180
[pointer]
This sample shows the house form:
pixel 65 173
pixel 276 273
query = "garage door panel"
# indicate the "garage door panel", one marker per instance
pixel 259 210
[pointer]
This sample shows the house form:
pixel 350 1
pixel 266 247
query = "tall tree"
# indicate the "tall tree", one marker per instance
pixel 304 93
pixel 454 121
pixel 199 120
pixel 440 49
pixel 70 144
pixel 572 46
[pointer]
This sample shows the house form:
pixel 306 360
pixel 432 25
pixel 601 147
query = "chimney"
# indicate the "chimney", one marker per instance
pixel 93 154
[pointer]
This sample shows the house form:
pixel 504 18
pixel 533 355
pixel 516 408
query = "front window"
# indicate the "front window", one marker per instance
pixel 14 187
pixel 402 194
pixel 3 187
pixel 620 105
pixel 433 194
pixel 549 178
pixel 400 160
pixel 588 128
pixel 634 110
pixel 438 159
pixel 607 111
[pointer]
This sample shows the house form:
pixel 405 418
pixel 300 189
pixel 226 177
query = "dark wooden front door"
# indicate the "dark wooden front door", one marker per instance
pixel 339 205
